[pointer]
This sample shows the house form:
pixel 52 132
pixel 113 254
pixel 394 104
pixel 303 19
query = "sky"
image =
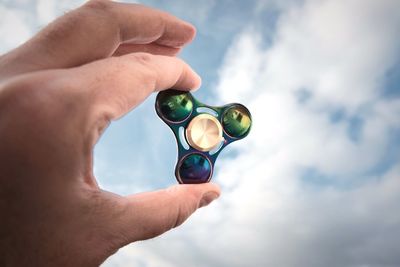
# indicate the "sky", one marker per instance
pixel 317 181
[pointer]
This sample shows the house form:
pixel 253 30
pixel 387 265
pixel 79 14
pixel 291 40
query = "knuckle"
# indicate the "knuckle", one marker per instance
pixel 144 65
pixel 142 58
pixel 35 98
pixel 17 94
pixel 138 61
pixel 19 108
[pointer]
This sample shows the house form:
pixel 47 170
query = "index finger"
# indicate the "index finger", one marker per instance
pixel 95 31
pixel 107 89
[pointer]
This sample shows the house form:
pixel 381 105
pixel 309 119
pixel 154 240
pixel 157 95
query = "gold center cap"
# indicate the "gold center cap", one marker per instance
pixel 204 132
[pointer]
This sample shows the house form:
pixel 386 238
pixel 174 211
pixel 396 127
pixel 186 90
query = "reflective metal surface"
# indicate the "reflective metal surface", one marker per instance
pixel 194 168
pixel 236 121
pixel 204 132
pixel 174 105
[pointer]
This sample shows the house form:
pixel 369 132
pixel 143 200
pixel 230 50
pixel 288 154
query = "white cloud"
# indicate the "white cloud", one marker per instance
pixel 339 76
pixel 270 212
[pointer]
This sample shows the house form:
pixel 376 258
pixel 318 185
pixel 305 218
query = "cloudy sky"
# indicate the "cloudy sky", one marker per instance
pixel 317 181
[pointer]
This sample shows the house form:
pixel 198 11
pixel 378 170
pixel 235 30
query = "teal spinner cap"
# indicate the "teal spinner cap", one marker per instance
pixel 201 132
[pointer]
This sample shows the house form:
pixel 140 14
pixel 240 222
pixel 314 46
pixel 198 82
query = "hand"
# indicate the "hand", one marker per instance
pixel 58 93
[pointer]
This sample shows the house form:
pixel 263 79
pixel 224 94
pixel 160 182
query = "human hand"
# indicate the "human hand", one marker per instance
pixel 58 92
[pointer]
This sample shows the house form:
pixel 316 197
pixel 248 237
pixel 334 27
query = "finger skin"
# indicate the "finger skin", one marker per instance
pixel 95 31
pixel 147 215
pixel 116 85
pixel 151 48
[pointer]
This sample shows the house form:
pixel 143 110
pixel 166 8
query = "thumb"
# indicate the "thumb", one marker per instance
pixel 147 215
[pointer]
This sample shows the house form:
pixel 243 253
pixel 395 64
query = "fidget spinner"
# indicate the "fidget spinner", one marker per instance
pixel 201 132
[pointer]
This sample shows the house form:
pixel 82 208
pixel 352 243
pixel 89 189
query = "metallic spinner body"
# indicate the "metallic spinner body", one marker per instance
pixel 201 132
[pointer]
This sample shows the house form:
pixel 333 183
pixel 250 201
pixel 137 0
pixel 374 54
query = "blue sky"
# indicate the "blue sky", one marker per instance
pixel 317 181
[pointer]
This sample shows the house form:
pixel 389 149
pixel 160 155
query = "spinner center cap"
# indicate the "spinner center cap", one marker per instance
pixel 204 132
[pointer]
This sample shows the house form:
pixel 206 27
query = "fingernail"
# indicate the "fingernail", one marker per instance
pixel 208 198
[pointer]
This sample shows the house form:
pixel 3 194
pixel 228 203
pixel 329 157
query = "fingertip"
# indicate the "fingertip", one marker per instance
pixel 204 193
pixel 201 188
pixel 196 82
pixel 213 187
pixel 189 80
pixel 211 192
pixel 177 32
pixel 191 32
pixel 208 198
